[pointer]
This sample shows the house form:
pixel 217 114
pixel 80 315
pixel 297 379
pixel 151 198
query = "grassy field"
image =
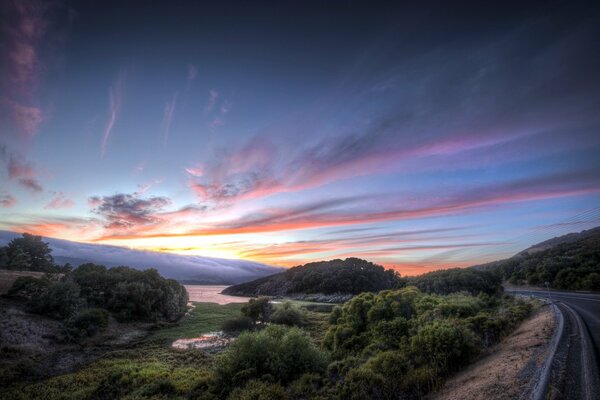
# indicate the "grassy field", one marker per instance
pixel 203 318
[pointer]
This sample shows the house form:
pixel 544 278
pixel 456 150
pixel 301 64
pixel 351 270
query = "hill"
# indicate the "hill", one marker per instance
pixel 569 262
pixel 185 269
pixel 349 276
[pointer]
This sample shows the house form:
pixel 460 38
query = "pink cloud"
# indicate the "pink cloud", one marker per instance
pixel 22 171
pixel 196 171
pixel 7 201
pixel 59 201
pixel 24 31
pixel 327 214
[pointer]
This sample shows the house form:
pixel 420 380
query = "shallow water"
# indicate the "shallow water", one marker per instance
pixel 212 294
pixel 211 340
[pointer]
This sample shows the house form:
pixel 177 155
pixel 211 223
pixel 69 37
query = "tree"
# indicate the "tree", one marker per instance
pixel 259 309
pixel 19 260
pixel 3 257
pixel 40 258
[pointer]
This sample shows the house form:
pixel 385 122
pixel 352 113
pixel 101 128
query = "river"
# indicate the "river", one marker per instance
pixel 212 294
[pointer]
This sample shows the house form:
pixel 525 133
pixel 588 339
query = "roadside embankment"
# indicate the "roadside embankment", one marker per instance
pixel 509 368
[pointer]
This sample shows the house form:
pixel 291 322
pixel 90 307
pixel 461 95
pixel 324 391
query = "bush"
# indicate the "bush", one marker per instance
pixel 288 314
pixel 60 300
pixel 87 322
pixel 276 353
pixel 28 287
pixel 444 345
pixel 259 309
pixel 239 324
pixel 257 390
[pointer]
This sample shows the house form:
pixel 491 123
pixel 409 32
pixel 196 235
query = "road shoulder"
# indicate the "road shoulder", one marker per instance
pixel 509 367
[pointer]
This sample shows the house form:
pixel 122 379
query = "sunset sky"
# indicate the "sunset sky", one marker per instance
pixel 419 137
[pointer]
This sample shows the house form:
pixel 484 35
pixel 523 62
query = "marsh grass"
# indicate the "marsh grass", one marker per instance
pixel 203 318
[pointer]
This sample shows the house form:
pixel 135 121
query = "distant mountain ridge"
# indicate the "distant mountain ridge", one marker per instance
pixel 184 268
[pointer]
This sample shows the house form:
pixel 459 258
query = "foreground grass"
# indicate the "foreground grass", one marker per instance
pixel 150 370
pixel 203 318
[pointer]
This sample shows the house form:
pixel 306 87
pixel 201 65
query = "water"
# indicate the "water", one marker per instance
pixel 212 294
pixel 211 340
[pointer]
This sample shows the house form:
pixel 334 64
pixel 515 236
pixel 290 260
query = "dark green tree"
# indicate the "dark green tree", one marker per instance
pixel 19 260
pixel 39 252
pixel 259 309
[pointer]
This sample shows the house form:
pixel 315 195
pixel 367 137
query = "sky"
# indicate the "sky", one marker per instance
pixel 418 135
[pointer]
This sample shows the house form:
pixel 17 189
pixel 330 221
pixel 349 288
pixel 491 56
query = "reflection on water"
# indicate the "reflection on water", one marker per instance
pixel 212 294
pixel 212 340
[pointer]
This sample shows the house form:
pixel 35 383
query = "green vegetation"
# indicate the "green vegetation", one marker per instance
pixel 129 294
pixel 202 318
pixel 289 314
pixel 274 354
pixel 349 276
pixel 401 342
pixel 572 263
pixel 375 339
pixel 468 280
pixel 258 310
pixel 144 373
pixel 395 344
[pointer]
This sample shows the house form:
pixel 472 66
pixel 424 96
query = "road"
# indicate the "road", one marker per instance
pixel 576 368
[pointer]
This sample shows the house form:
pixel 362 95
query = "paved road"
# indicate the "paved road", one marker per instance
pixel 578 353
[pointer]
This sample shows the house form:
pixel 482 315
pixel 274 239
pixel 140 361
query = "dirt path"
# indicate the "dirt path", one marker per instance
pixel 509 368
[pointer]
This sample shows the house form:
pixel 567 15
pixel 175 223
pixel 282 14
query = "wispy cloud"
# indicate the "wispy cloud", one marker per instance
pixel 336 212
pixel 20 170
pixel 24 27
pixel 115 100
pixel 59 201
pixel 168 117
pixel 7 201
pixel 213 95
pixel 192 72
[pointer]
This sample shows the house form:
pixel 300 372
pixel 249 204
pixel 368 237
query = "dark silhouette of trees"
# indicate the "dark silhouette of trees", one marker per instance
pixel 349 276
pixel 29 252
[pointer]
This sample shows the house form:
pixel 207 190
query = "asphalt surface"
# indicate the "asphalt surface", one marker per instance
pixel 576 368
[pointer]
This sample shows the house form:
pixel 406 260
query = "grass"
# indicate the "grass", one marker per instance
pixel 203 318
pixel 152 369
pixel 148 372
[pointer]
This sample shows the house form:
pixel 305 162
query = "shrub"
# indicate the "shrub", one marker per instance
pixel 288 314
pixel 238 324
pixel 276 353
pixel 87 322
pixel 259 309
pixel 444 345
pixel 28 287
pixel 60 300
pixel 257 390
